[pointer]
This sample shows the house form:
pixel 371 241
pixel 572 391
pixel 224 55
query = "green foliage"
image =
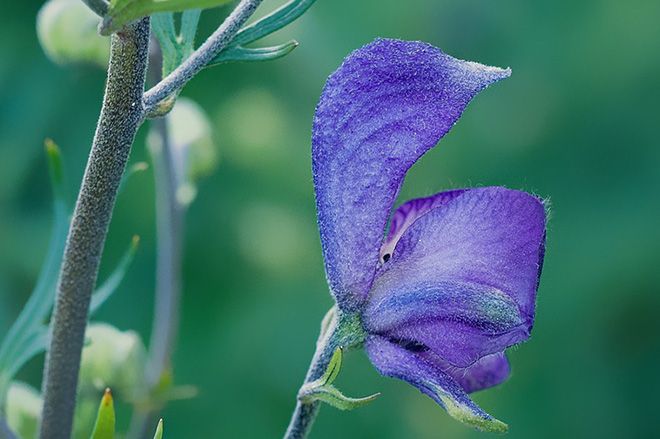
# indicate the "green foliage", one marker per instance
pixel 111 284
pixel 104 428
pixel 122 12
pixel 28 335
pixel 159 430
pixel 272 22
pixel 67 31
pixel 242 54
pixel 323 390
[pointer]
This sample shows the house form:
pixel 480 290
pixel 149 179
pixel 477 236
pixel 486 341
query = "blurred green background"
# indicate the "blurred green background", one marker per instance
pixel 577 122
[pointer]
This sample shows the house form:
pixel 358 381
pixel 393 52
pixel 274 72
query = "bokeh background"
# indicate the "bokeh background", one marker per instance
pixel 577 122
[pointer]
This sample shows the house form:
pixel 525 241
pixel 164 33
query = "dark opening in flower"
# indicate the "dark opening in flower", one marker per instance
pixel 453 284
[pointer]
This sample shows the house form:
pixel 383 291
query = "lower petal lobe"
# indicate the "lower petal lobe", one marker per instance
pixel 458 322
pixel 489 371
pixel 397 362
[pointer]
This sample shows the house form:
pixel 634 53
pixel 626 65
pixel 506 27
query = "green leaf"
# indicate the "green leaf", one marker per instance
pixel 272 22
pixel 23 339
pixel 131 172
pixel 189 22
pixel 122 12
pixel 105 420
pixel 334 366
pixel 245 54
pixel 332 396
pixel 162 25
pixel 159 430
pixel 323 390
pixel 114 280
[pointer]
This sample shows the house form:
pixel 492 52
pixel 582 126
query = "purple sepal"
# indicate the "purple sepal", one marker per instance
pixel 388 103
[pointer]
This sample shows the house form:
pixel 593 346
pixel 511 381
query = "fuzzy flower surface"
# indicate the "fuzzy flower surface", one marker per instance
pixel 452 284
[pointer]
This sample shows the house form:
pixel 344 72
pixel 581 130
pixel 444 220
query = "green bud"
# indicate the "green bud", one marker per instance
pixel 112 358
pixel 67 31
pixel 23 410
pixel 193 151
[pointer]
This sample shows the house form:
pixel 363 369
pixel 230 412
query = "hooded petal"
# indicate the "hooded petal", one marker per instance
pixel 462 279
pixel 397 362
pixel 388 103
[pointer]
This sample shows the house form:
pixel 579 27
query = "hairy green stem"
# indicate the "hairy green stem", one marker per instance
pixel 219 40
pixel 121 115
pixel 305 413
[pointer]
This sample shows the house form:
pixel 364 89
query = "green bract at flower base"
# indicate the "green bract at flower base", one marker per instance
pixel 122 12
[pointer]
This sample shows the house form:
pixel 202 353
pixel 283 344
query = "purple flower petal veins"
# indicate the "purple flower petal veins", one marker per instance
pixel 453 283
pixel 388 103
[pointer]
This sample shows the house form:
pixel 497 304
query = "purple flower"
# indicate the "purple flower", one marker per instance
pixel 453 283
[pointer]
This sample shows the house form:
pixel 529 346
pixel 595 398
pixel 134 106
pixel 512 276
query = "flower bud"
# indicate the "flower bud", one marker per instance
pixel 67 31
pixel 112 358
pixel 23 410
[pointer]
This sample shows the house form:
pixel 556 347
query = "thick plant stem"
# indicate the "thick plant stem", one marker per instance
pixel 305 413
pixel 121 115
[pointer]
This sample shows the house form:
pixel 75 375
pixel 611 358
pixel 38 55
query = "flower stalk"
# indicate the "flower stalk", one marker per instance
pixel 121 115
pixel 169 241
pixel 338 330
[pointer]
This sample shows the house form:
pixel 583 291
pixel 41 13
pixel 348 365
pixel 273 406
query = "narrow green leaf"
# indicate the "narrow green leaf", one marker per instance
pixel 332 396
pixel 105 419
pixel 19 345
pixel 244 54
pixel 272 22
pixel 334 366
pixel 159 430
pixel 323 390
pixel 55 168
pixel 162 25
pixel 131 172
pixel 122 12
pixel 189 22
pixel 114 280
pixel 28 347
